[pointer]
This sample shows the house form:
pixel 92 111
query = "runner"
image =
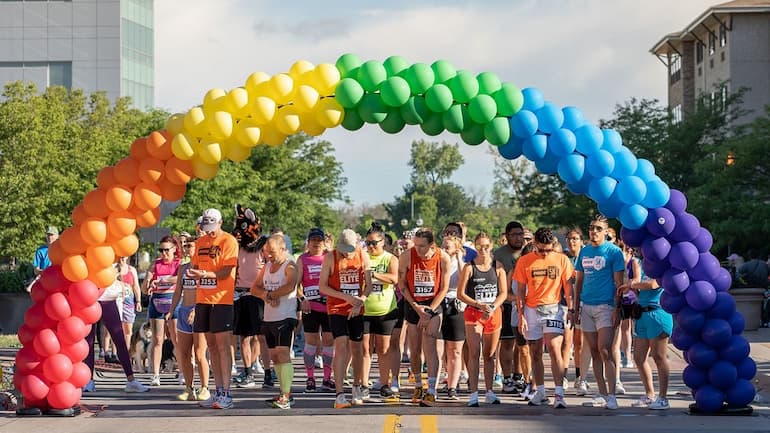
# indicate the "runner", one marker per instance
pixel 540 277
pixel 582 357
pixel 423 272
pixel 346 281
pixel 453 323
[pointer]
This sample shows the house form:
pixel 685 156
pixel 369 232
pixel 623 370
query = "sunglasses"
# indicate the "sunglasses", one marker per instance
pixel 372 243
pixel 596 228
pixel 164 250
pixel 483 246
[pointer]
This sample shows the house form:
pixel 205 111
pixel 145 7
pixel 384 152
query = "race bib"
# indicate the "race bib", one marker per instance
pixel 486 293
pixel 424 285
pixel 312 293
pixel 350 289
pixel 377 288
pixel 350 282
pixel 208 283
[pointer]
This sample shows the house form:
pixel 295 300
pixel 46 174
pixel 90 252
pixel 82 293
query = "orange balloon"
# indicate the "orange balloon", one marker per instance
pixel 147 218
pixel 102 277
pixel 138 149
pixel 119 197
pixel 74 268
pixel 120 224
pixel 106 177
pixel 79 214
pixel 170 191
pixel 94 231
pixel 100 256
pixel 127 171
pixel 56 253
pixel 151 170
pixel 159 145
pixel 147 196
pixel 95 203
pixel 71 242
pixel 179 171
pixel 125 246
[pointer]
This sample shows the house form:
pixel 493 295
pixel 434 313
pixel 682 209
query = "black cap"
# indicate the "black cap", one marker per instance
pixel 315 232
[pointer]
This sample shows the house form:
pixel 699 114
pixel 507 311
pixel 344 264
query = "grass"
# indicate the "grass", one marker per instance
pixel 9 341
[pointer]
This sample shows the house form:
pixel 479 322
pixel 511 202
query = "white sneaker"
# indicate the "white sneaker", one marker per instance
pixel 565 385
pixel 491 398
pixel 527 391
pixel 627 364
pixel 473 400
pixel 643 401
pixel 209 402
pixel 538 398
pixel 155 381
pixel 612 402
pixel 234 370
pixel 258 368
pixel 357 396
pixel 598 401
pixel 659 404
pixel 463 377
pixel 395 386
pixel 620 389
pixel 558 402
pixel 581 387
pixel 135 386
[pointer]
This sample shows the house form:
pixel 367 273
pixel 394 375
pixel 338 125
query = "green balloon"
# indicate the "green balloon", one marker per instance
pixel 414 110
pixel 456 118
pixel 395 92
pixel 464 86
pixel 372 109
pixel 371 74
pixel 509 100
pixel 393 122
pixel 346 64
pixel 349 93
pixel 489 83
pixel 432 125
pixel 352 121
pixel 420 77
pixel 438 98
pixel 473 135
pixel 482 108
pixel 395 65
pixel 498 131
pixel 443 70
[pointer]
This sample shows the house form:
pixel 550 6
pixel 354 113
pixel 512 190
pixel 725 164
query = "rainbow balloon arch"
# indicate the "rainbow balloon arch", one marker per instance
pixel 50 371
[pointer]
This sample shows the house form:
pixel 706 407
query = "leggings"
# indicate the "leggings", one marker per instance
pixel 111 321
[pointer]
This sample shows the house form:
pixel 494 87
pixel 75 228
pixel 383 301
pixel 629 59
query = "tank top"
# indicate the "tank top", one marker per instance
pixel 187 285
pixel 347 277
pixel 287 306
pixel 454 277
pixel 311 275
pixel 482 285
pixel 128 278
pixel 160 270
pixel 424 275
pixel 382 297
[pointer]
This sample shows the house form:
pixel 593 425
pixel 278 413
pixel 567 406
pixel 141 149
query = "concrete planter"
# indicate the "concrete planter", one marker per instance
pixel 748 302
pixel 12 309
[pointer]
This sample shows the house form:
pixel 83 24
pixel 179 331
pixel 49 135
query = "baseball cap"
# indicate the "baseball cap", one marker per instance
pixel 52 230
pixel 316 232
pixel 347 242
pixel 210 220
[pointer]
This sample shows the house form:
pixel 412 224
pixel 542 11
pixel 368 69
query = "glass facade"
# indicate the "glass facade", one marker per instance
pixel 137 52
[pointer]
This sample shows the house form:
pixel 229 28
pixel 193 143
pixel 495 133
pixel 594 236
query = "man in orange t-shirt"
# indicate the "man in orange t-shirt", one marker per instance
pixel 540 276
pixel 213 265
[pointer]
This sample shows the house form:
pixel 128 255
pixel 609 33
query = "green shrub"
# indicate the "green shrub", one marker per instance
pixel 16 280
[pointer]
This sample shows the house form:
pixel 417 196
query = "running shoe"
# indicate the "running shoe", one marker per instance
pixel 598 401
pixel 341 402
pixel 612 402
pixel 310 384
pixel 581 387
pixel 135 386
pixel 451 394
pixel 417 395
pixel 376 385
pixel 619 388
pixel 538 398
pixel 328 386
pixel 659 404
pixel 386 392
pixel 518 385
pixel 508 386
pixel 223 402
pixel 283 402
pixel 491 398
pixel 443 377
pixel 240 377
pixel 209 402
pixel 203 394
pixel 271 401
pixel 155 380
pixel 395 385
pixel 358 398
pixel 473 400
pixel 526 392
pixel 365 393
pixel 187 395
pixel 498 381
pixel 258 368
pixel 558 402
pixel 269 381
pixel 627 364
pixel 249 382
pixel 463 377
pixel 233 370
pixel 428 400
pixel 643 402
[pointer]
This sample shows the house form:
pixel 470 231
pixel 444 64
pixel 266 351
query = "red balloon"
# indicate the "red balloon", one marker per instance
pixel 27 360
pixel 57 307
pixel 26 335
pixel 34 388
pixel 38 293
pixel 57 368
pixel 71 330
pixel 90 314
pixel 81 374
pixel 76 352
pixel 63 395
pixel 53 279
pixel 82 294
pixel 36 319
pixel 46 343
pixel 18 379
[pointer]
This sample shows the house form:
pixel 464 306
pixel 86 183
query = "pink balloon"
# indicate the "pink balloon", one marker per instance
pixel 63 395
pixel 27 360
pixel 38 293
pixel 57 307
pixel 72 329
pixel 81 374
pixel 46 343
pixel 90 314
pixel 82 294
pixel 53 279
pixel 57 368
pixel 34 387
pixel 76 352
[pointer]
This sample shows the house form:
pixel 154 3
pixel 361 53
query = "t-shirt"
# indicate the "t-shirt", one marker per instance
pixel 161 270
pixel 382 298
pixel 507 257
pixel 213 254
pixel 598 264
pixel 544 277
pixel 41 260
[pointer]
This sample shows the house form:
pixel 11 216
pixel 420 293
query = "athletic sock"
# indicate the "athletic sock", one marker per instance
pixel 577 372
pixel 432 385
pixel 285 374
pixel 327 353
pixel 308 355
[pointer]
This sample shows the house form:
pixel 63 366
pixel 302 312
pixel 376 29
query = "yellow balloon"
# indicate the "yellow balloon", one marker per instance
pixel 306 98
pixel 234 151
pixel 247 133
pixel 287 120
pixel 280 88
pixel 272 136
pixel 329 113
pixel 208 151
pixel 175 123
pixel 214 100
pixel 327 77
pixel 310 124
pixel 221 125
pixel 195 122
pixel 204 171
pixel 263 110
pixel 300 67
pixel 182 146
pixel 237 102
pixel 254 82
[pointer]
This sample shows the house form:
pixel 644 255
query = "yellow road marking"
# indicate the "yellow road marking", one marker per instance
pixel 392 424
pixel 428 424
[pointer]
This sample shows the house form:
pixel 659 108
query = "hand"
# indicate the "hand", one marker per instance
pixel 191 317
pixel 357 301
pixel 355 311
pixel 167 316
pixel 138 306
pixel 575 317
pixel 486 309
pixel 304 305
pixel 523 327
pixel 195 274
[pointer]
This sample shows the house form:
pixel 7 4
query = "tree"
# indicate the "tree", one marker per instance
pixel 52 145
pixel 433 163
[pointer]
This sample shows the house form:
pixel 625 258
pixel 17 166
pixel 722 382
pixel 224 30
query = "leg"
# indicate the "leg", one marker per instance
pixel 506 357
pixel 642 346
pixel 489 351
pixel 366 361
pixel 199 342
pixel 605 338
pixel 156 347
pixel 566 348
pixel 246 352
pixel 415 349
pixel 183 353
pixel 536 355
pixel 555 343
pixel 111 320
pixel 224 343
pixel 615 355
pixel 659 349
pixel 216 363
pixel 473 343
pixel 340 362
pixel 453 362
pixel 394 355
pixel 625 338
pixel 382 346
pixel 127 331
pixel 591 339
pixel 430 350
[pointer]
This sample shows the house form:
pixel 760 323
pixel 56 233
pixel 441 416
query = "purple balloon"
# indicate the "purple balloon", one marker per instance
pixel 702 355
pixel 740 394
pixel 656 248
pixel 723 375
pixel 690 320
pixel 653 268
pixel 633 237
pixel 737 323
pixel 736 350
pixel 707 268
pixel 682 339
pixel 677 202
pixel 660 222
pixel 687 228
pixel 716 333
pixel 675 281
pixel 723 280
pixel 672 303
pixel 747 369
pixel 683 256
pixel 694 377
pixel 703 241
pixel 723 308
pixel 701 295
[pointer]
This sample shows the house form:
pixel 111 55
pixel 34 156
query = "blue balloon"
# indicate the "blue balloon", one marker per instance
pixel 600 163
pixel 687 227
pixel 612 141
pixel 677 202
pixel 683 255
pixel 736 350
pixel 633 238
pixel 737 323
pixel 571 168
pixel 716 333
pixel 654 268
pixel 549 118
pixel 655 248
pixel 633 216
pixel 672 302
pixel 658 193
pixel 740 394
pixel 702 355
pixel 708 398
pixel 675 281
pixel 612 206
pixel 625 164
pixel 707 268
pixel 701 295
pixel 573 118
pixel 747 369
pixel 646 171
pixel 512 149
pixel 548 164
pixel 703 241
pixel 601 188
pixel 694 377
pixel 533 99
pixel 523 124
pixel 660 221
pixel 723 375
pixel 690 320
pixel 562 142
pixel 581 186
pixel 723 307
pixel 589 139
pixel 682 339
pixel 534 147
pixel 631 189
pixel 723 280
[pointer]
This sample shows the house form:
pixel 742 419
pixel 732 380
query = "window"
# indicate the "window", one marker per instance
pixel 723 97
pixel 722 35
pixel 60 74
pixel 700 71
pixel 712 43
pixel 676 114
pixel 698 52
pixel 675 69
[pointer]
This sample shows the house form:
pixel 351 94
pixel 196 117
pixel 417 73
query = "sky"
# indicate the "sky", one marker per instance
pixel 591 54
